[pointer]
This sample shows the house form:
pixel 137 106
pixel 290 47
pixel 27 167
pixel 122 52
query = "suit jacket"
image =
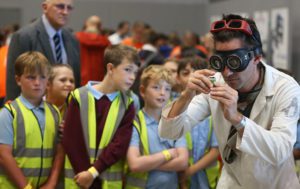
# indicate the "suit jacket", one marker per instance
pixel 34 37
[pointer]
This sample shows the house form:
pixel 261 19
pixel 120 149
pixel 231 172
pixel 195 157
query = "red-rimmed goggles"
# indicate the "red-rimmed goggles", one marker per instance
pixel 234 24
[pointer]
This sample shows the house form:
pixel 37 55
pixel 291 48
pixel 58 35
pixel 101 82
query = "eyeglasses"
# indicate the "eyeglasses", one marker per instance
pixel 62 7
pixel 234 24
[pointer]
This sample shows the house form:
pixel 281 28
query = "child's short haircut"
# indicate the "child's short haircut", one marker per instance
pixel 156 73
pixel 54 66
pixel 115 54
pixel 196 63
pixel 32 62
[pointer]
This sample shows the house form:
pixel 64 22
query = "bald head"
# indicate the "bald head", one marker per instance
pixel 93 24
pixel 93 20
pixel 57 12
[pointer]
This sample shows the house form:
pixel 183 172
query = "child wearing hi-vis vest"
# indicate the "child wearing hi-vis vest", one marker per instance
pixel 29 128
pixel 153 161
pixel 98 124
pixel 204 170
pixel 60 83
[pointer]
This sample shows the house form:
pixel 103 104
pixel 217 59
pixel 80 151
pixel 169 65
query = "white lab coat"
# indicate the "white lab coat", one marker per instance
pixel 265 158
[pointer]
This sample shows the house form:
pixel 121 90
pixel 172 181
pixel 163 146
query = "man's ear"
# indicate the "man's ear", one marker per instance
pixel 44 7
pixel 257 59
pixel 18 78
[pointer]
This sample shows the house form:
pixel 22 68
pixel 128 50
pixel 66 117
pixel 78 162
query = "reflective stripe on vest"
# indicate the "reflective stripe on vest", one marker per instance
pixel 139 180
pixel 212 183
pixel 112 177
pixel 32 151
pixel 189 142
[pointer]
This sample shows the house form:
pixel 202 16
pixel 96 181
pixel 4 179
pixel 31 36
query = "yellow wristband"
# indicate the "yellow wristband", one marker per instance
pixel 167 155
pixel 93 171
pixel 28 186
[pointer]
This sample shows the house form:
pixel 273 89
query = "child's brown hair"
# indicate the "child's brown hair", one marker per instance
pixel 115 54
pixel 32 62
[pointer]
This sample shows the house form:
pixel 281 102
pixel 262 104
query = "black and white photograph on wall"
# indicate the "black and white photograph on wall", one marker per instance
pixel 279 38
pixel 262 21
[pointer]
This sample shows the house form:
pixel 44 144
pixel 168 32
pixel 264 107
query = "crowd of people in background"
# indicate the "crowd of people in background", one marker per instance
pixel 154 47
pixel 122 108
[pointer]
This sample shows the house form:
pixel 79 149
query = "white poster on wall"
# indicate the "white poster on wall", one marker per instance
pixel 262 21
pixel 279 37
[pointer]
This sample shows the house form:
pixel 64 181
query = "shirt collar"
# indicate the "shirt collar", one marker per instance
pixel 97 94
pixel 148 119
pixel 30 106
pixel 50 30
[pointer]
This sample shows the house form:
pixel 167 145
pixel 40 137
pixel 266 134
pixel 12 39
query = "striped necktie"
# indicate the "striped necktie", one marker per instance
pixel 57 45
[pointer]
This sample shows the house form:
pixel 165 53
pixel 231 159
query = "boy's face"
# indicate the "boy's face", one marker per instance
pixel 156 94
pixel 123 75
pixel 172 68
pixel 62 84
pixel 184 75
pixel 32 86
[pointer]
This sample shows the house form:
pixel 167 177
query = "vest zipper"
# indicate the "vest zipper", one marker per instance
pixel 42 149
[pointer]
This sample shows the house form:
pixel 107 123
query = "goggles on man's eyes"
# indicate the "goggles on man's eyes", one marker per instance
pixel 236 60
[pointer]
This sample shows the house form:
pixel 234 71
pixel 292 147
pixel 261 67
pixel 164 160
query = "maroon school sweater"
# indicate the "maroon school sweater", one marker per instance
pixel 73 140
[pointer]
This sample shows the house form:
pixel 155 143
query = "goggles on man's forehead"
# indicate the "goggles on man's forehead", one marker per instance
pixel 236 60
pixel 234 25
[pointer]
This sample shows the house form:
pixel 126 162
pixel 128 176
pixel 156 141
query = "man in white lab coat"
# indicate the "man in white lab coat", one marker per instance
pixel 254 107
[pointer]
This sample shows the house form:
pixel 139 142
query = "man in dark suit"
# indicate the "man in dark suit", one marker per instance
pixel 47 36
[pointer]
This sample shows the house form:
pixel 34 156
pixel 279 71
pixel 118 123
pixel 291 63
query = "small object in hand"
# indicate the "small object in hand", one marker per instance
pixel 212 80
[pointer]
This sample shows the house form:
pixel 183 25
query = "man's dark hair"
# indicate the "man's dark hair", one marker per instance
pixel 227 35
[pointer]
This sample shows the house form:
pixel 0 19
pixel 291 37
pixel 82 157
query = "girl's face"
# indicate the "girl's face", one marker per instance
pixel 62 83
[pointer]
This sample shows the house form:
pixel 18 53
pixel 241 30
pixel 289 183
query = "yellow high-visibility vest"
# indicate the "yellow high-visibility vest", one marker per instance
pixel 112 177
pixel 212 172
pixel 139 180
pixel 32 151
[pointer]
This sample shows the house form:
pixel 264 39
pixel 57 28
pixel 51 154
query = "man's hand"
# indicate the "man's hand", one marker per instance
pixel 200 82
pixel 84 179
pixel 228 97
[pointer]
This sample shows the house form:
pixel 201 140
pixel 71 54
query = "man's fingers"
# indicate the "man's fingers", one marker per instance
pixel 199 87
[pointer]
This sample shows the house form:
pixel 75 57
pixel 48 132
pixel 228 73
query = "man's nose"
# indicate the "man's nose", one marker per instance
pixel 227 72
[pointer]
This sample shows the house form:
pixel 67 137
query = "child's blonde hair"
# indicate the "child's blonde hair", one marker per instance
pixel 156 73
pixel 32 62
pixel 53 74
